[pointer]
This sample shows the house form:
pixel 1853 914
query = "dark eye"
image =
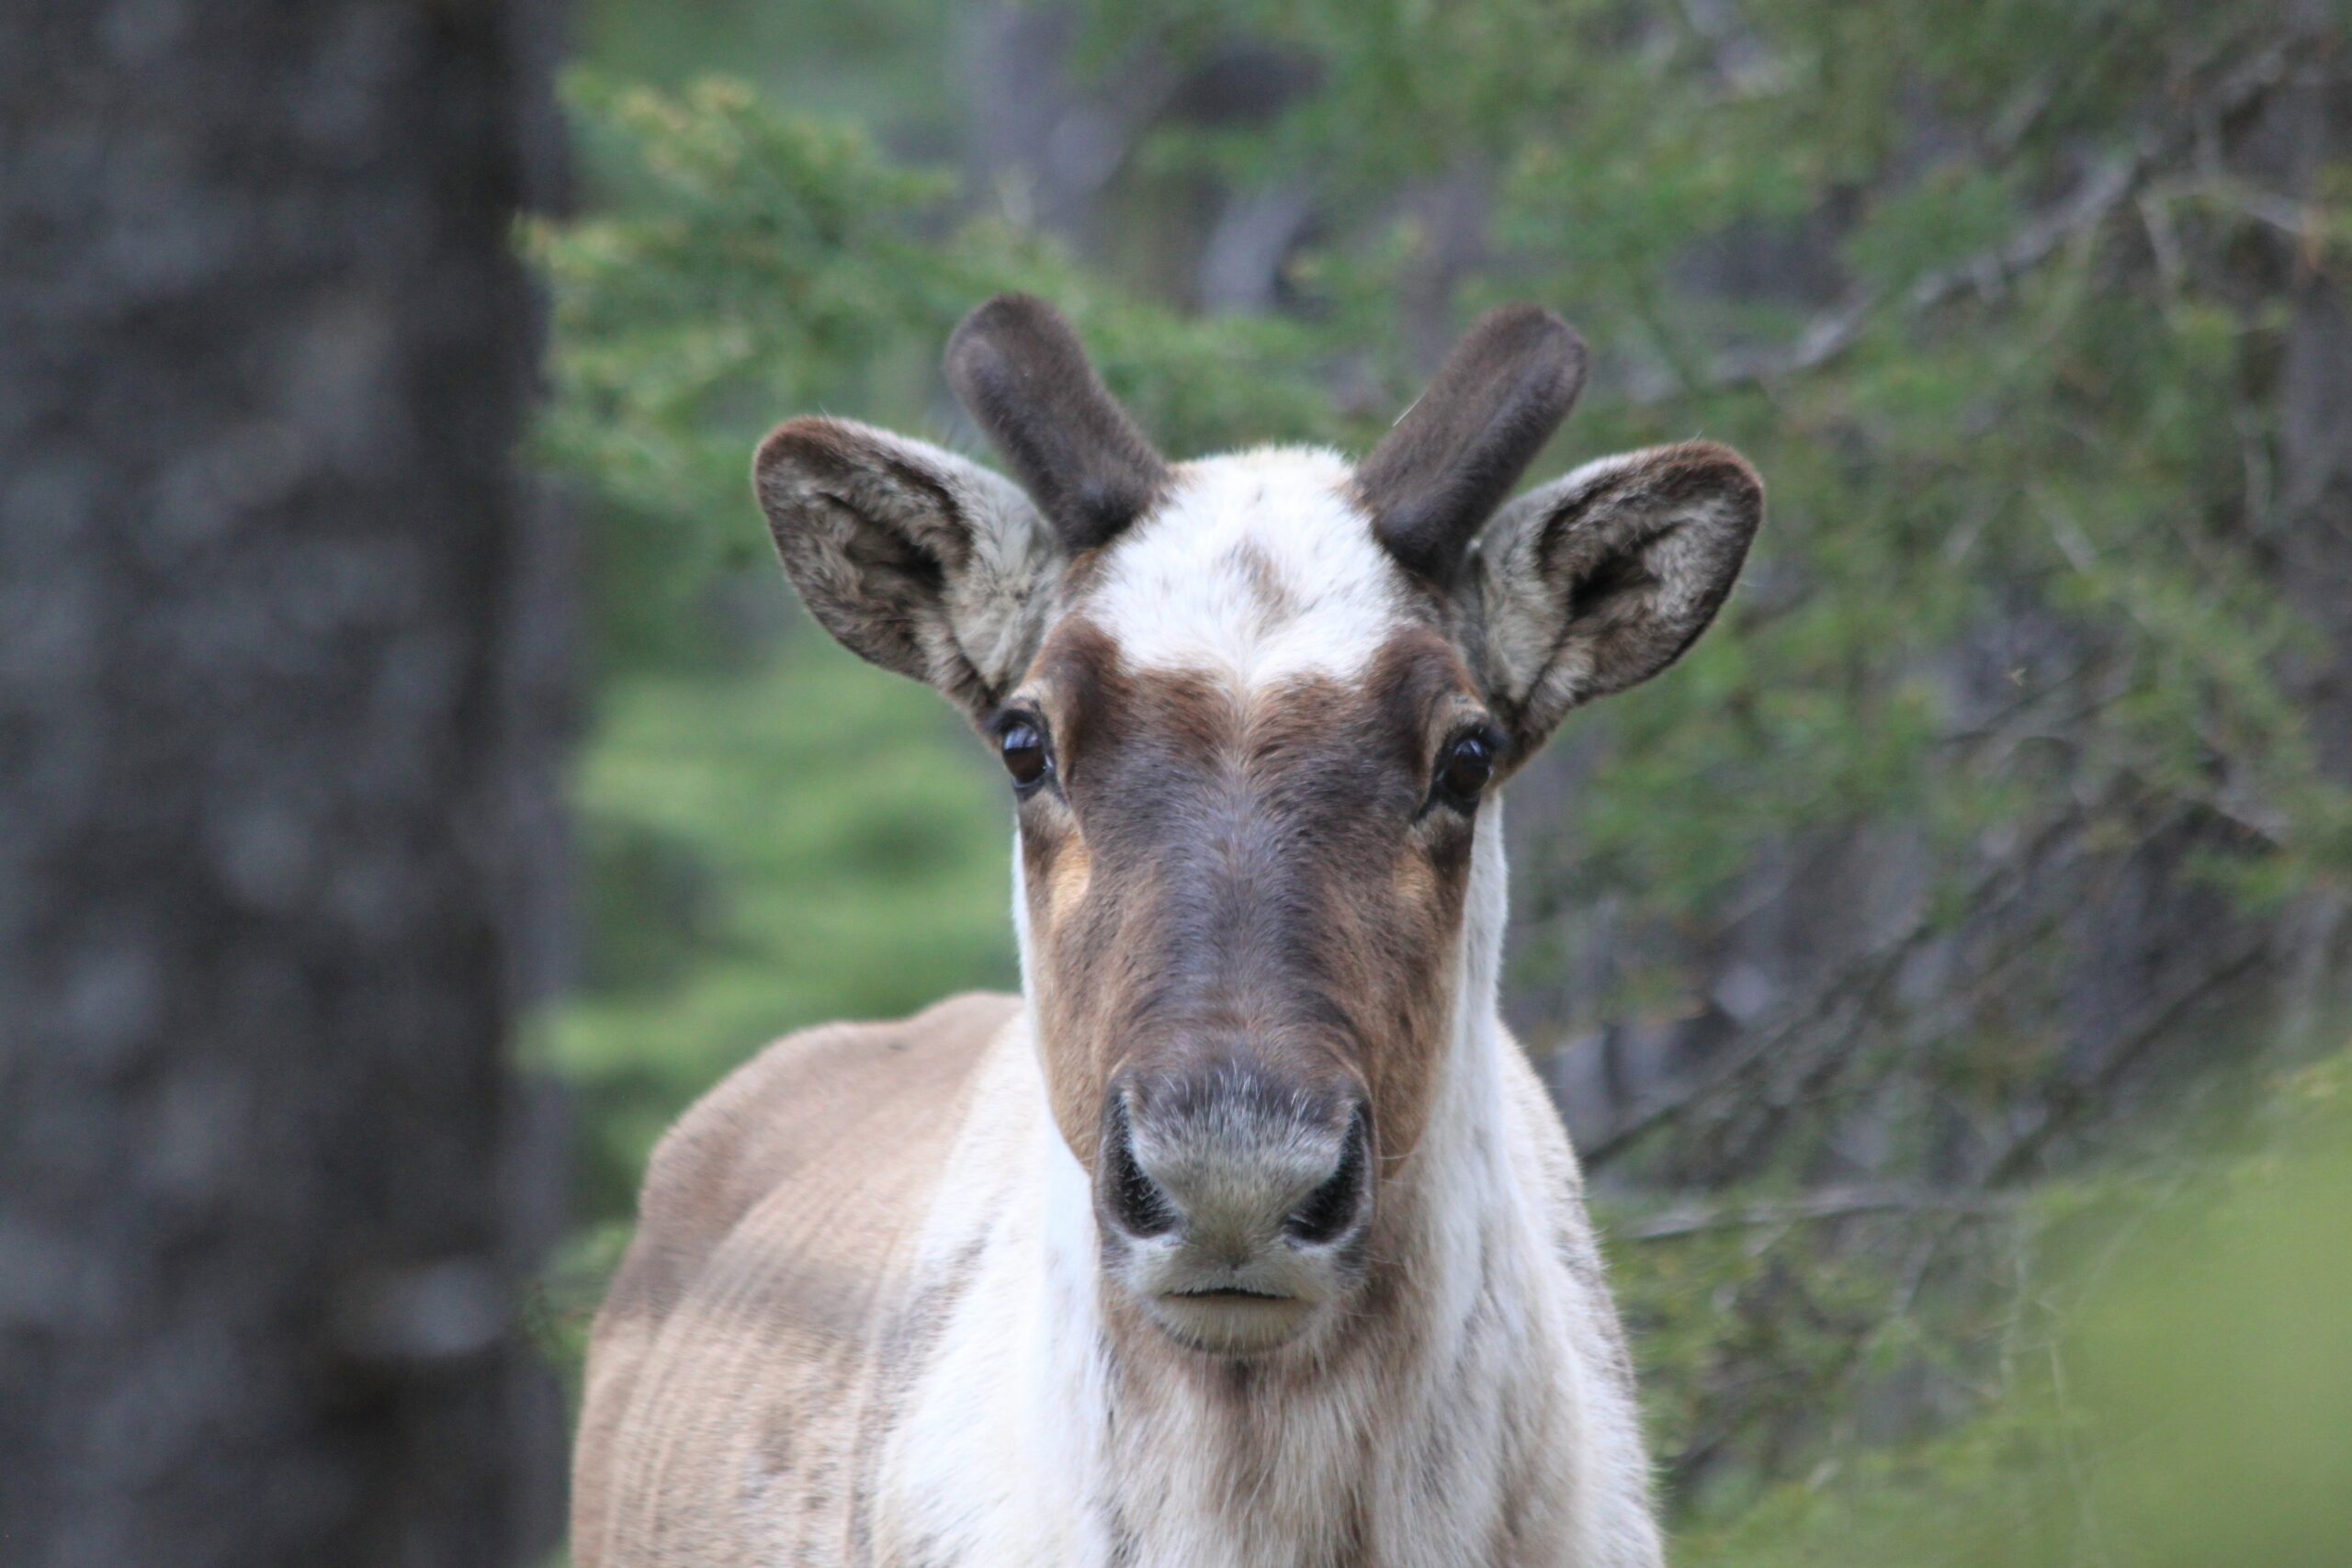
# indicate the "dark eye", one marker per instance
pixel 1465 769
pixel 1022 745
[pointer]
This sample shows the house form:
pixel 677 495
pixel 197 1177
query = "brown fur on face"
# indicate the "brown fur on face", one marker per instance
pixel 1254 886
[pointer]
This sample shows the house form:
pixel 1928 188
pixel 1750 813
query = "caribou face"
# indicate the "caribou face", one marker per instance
pixel 1249 760
pixel 1252 710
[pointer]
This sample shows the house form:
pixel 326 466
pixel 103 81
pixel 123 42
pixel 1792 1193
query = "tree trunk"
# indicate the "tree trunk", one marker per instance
pixel 276 783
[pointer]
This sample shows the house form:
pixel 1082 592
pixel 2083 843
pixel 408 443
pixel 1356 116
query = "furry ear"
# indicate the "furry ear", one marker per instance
pixel 912 558
pixel 1598 580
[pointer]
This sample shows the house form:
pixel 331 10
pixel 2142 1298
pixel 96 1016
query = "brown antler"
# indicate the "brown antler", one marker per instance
pixel 1437 476
pixel 1020 370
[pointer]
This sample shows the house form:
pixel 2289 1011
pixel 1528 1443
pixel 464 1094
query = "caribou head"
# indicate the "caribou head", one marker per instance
pixel 1254 710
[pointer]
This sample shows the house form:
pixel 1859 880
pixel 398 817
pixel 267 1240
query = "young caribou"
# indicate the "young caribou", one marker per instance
pixel 1245 1235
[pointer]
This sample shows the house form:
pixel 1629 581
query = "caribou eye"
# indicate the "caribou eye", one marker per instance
pixel 1022 743
pixel 1463 769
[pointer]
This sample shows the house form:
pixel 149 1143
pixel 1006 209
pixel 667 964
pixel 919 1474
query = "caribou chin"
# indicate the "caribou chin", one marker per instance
pixel 1245 1234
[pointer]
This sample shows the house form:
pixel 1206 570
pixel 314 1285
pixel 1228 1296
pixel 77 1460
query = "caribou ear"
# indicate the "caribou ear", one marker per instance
pixel 912 557
pixel 1596 582
pixel 1452 457
pixel 1019 369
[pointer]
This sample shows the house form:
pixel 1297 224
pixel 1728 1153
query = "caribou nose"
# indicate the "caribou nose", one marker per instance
pixel 1228 1181
pixel 1139 1204
pixel 1338 1203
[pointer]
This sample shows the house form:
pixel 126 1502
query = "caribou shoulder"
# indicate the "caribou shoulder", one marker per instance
pixel 772 1220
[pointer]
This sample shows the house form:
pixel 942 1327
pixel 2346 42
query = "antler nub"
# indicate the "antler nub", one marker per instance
pixel 1020 370
pixel 1453 457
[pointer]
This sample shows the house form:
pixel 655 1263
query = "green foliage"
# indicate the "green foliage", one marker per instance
pixel 2170 1391
pixel 2058 442
pixel 765 852
pixel 759 264
pixel 2069 439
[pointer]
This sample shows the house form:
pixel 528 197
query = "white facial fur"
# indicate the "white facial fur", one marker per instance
pixel 1257 566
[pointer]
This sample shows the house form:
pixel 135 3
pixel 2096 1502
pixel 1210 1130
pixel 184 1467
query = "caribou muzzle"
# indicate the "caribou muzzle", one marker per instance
pixel 1233 1205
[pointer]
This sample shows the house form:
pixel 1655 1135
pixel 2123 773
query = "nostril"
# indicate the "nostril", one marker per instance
pixel 1137 1201
pixel 1332 1207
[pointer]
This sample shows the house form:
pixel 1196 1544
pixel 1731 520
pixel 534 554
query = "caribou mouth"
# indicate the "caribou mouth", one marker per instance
pixel 1230 1320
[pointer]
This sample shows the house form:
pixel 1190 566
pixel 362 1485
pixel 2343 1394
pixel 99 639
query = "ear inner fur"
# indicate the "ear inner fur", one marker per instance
pixel 1602 578
pixel 913 559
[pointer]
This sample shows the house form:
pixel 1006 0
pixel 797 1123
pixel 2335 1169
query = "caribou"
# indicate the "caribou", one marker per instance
pixel 1246 1234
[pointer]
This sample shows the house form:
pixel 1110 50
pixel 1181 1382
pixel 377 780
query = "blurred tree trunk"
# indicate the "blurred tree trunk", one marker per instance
pixel 282 637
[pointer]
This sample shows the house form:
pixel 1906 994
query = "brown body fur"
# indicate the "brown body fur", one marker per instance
pixel 753 1355
pixel 741 1343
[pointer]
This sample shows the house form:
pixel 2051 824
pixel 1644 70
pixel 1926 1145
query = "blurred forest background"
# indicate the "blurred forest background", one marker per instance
pixel 1944 970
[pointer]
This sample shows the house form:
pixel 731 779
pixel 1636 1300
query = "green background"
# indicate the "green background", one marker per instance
pixel 2004 301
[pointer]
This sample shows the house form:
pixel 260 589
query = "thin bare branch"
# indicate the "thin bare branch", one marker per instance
pixel 2110 183
pixel 1861 978
pixel 1828 1204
